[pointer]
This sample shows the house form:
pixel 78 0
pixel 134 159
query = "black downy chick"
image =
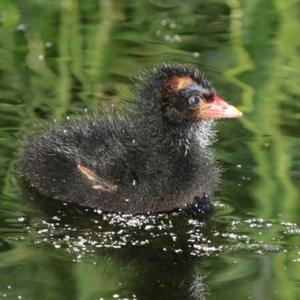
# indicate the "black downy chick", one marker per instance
pixel 155 159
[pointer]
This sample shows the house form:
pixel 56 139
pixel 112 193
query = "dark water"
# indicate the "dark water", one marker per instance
pixel 60 58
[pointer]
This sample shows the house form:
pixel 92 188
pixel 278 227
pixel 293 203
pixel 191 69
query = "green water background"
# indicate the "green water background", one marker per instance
pixel 59 58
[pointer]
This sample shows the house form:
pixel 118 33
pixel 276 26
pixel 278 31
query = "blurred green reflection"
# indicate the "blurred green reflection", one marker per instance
pixel 62 58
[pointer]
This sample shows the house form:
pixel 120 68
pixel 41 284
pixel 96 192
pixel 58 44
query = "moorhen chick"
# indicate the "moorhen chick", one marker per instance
pixel 156 158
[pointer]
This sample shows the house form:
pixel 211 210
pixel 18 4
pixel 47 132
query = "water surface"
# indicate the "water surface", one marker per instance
pixel 63 58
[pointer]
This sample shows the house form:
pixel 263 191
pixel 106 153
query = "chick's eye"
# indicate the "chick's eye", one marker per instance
pixel 194 100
